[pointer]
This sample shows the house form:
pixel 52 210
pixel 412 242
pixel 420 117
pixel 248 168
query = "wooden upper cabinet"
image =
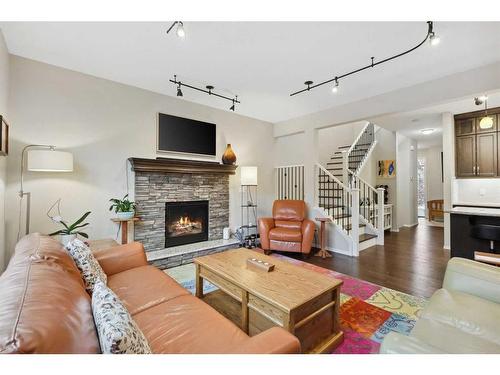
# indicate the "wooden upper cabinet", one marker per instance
pixel 465 151
pixel 486 148
pixel 465 126
pixel 489 130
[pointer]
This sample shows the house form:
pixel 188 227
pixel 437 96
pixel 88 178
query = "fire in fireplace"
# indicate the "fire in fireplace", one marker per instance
pixel 186 222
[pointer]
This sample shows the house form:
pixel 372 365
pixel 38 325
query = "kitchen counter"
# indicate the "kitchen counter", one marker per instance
pixel 479 211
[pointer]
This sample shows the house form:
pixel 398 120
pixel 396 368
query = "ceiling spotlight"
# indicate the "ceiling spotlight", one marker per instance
pixel 180 29
pixel 335 88
pixel 179 91
pixel 427 131
pixel 480 100
pixel 434 39
pixel 232 107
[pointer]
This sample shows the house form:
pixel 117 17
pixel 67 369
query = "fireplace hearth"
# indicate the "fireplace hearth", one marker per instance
pixel 186 222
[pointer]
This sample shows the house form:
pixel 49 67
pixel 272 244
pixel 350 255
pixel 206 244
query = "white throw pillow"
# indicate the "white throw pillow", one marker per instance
pixel 88 265
pixel 118 333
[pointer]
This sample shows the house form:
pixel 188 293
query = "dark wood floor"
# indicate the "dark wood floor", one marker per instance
pixel 412 261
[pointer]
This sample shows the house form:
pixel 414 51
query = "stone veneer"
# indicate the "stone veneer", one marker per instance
pixel 153 189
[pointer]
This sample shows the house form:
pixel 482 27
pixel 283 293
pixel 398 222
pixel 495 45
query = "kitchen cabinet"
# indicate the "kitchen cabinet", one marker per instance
pixel 477 150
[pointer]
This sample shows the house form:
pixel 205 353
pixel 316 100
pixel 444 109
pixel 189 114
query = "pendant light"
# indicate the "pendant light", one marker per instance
pixel 487 121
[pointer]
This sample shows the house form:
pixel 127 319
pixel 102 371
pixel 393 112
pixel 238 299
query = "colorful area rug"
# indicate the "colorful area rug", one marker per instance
pixel 368 312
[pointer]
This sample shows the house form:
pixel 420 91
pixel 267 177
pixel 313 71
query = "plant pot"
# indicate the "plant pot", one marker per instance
pixel 229 158
pixel 67 238
pixel 125 215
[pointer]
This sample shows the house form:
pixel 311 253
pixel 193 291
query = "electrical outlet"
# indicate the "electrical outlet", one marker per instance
pixel 482 192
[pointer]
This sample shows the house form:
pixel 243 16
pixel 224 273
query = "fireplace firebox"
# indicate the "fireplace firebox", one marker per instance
pixel 186 222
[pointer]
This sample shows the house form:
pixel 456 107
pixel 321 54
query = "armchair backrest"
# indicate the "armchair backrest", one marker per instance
pixel 289 210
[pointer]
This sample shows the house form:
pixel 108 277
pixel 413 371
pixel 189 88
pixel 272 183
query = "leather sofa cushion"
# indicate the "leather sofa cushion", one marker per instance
pixel 187 325
pixel 294 210
pixel 44 306
pixel 470 314
pixel 285 234
pixel 294 247
pixel 450 339
pixel 297 225
pixel 144 287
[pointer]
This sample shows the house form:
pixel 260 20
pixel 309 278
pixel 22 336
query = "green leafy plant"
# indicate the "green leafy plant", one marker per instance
pixel 122 205
pixel 74 228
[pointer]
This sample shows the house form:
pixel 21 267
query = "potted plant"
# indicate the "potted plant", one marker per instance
pixel 70 232
pixel 124 209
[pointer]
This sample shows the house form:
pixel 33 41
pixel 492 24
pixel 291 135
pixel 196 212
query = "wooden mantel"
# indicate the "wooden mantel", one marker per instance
pixel 168 165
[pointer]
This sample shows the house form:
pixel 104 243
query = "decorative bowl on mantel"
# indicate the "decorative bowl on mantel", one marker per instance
pixel 125 215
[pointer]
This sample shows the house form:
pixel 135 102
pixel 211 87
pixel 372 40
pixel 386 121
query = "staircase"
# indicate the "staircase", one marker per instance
pixel 354 206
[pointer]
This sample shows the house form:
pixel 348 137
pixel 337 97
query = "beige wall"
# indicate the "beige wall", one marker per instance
pixel 103 123
pixel 4 90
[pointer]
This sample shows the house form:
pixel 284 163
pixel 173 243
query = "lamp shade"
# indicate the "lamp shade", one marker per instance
pixel 249 175
pixel 50 161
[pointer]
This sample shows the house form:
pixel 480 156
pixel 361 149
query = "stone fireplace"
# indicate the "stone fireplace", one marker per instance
pixel 186 222
pixel 168 190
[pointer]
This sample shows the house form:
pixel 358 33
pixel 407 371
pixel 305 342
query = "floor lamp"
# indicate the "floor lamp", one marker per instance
pixel 41 158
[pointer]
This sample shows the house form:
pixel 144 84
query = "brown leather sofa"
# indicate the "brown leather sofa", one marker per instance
pixel 288 229
pixel 44 307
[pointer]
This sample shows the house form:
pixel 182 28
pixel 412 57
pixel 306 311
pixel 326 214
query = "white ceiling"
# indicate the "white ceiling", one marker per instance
pixel 262 62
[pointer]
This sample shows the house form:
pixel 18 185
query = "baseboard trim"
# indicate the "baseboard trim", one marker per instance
pixel 339 251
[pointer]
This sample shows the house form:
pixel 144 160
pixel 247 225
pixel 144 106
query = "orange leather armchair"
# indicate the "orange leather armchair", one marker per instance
pixel 288 229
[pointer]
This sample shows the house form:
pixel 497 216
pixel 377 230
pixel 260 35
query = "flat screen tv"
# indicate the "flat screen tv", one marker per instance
pixel 178 134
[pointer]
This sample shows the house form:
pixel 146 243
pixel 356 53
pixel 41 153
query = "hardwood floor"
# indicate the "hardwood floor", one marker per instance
pixel 412 261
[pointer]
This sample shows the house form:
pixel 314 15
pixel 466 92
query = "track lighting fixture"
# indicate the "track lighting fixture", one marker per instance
pixel 180 29
pixel 431 36
pixel 335 88
pixel 434 39
pixel 232 107
pixel 208 90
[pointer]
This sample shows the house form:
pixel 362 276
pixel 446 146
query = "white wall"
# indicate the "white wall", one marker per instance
pixel 449 171
pixel 386 150
pixel 433 177
pixel 406 177
pixel 103 123
pixel 4 90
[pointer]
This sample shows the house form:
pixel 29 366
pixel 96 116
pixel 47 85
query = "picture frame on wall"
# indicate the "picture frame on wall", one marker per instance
pixel 386 168
pixel 4 137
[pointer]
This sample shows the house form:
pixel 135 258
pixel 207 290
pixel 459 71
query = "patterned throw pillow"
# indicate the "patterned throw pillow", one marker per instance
pixel 118 333
pixel 87 264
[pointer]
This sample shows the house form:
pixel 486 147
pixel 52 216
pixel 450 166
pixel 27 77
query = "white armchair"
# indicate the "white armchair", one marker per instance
pixel 462 317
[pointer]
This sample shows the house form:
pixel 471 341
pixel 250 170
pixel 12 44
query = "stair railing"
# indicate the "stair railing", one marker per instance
pixel 340 203
pixel 371 205
pixel 359 150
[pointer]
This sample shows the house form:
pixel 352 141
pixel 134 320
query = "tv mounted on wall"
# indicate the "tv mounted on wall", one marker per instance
pixel 178 134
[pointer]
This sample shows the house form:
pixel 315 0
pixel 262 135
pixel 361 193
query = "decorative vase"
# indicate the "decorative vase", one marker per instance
pixel 229 157
pixel 67 238
pixel 125 215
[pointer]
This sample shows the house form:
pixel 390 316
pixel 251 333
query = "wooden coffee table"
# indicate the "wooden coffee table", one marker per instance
pixel 302 301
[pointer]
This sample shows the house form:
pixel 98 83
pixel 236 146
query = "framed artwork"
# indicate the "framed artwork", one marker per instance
pixel 4 137
pixel 386 168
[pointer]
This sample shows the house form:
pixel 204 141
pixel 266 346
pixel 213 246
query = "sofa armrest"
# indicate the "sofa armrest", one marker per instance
pixel 275 340
pixel 265 225
pixel 396 343
pixel 478 279
pixel 121 258
pixel 308 228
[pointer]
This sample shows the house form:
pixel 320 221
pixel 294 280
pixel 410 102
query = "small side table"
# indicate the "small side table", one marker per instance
pixel 323 253
pixel 124 227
